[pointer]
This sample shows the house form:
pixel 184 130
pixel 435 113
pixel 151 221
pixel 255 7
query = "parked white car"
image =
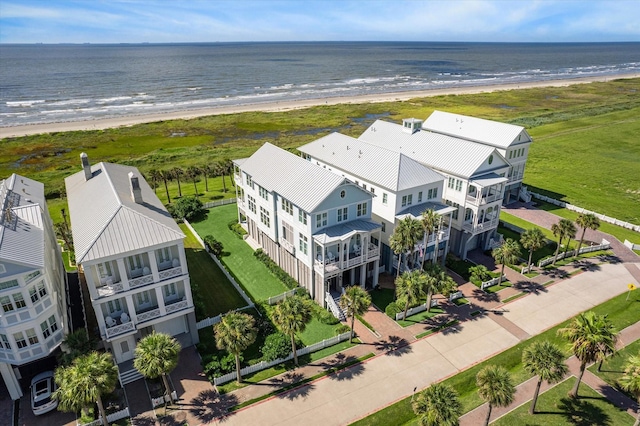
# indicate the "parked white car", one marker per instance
pixel 42 386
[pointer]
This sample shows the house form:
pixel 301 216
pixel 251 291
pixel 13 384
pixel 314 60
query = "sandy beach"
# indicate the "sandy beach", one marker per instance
pixel 106 123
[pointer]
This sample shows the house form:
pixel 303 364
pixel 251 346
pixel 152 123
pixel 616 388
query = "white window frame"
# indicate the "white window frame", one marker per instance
pixel 343 214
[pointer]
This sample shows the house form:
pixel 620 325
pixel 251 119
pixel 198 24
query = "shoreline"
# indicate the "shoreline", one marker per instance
pixel 114 122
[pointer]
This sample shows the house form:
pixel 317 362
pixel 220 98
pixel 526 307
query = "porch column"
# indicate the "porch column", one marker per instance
pixel 352 276
pixel 153 264
pixel 160 299
pixel 11 381
pixel 131 307
pixel 363 275
pixel 376 268
pixel 124 278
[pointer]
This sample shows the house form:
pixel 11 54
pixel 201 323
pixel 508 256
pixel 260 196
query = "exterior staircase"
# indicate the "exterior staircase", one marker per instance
pixel 524 194
pixel 129 376
pixel 334 306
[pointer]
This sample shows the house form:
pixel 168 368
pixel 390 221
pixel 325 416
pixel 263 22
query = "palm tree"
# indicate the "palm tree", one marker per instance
pixel 495 387
pixel 154 175
pixel 405 236
pixel 76 344
pixel 545 360
pixel 86 381
pixel 410 287
pixel 206 172
pixel 564 228
pixel 508 252
pixel 584 221
pixel 165 175
pixel 532 239
pixel 193 172
pixel 592 338
pixel 355 301
pixel 176 173
pixel 228 166
pixel 437 405
pixel 291 316
pixel 630 381
pixel 437 281
pixel 430 220
pixel 156 355
pixel 220 169
pixel 235 333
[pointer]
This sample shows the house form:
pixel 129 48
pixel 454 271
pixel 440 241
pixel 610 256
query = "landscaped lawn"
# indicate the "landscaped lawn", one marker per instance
pixel 613 367
pixel 250 273
pixel 381 297
pixel 555 407
pixel 420 316
pixel 506 217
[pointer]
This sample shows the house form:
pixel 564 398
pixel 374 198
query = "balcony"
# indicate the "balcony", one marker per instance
pixel 145 279
pixel 177 305
pixel 120 329
pixel 515 177
pixel 169 273
pixel 480 227
pixel 483 199
pixel 109 289
pixel 148 315
pixel 287 246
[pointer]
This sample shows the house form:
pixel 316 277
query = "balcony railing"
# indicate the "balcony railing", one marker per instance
pixel 478 201
pixel 109 289
pixel 120 328
pixel 287 246
pixel 170 273
pixel 480 227
pixel 144 280
pixel 181 304
pixel 148 315
pixel 373 252
pixel 515 177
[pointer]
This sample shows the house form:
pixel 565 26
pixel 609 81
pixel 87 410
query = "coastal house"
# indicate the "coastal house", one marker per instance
pixel 475 177
pixel 315 224
pixel 130 254
pixel 33 320
pixel 400 186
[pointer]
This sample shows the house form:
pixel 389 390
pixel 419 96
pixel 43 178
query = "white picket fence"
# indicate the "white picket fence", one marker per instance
pixel 416 309
pixel 217 203
pixel 275 299
pixel 264 365
pixel 155 402
pixel 113 417
pixel 588 249
pixel 631 245
pixel 455 296
pixel 487 284
pixel 600 216
pixel 208 322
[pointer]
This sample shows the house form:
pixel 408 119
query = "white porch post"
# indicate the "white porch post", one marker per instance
pixel 122 269
pixel 131 307
pixel 376 268
pixel 11 381
pixel 363 275
pixel 160 299
pixel 153 264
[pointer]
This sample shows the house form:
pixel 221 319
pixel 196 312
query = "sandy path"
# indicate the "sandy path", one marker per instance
pixel 106 123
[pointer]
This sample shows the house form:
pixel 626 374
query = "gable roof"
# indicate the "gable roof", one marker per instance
pixel 304 184
pixel 494 133
pixel 388 169
pixel 22 221
pixel 105 220
pixel 441 152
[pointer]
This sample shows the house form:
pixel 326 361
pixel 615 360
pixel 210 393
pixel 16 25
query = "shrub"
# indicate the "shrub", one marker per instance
pixel 213 245
pixel 220 366
pixel 479 273
pixel 286 279
pixel 237 229
pixel 187 208
pixel 325 316
pixel 342 328
pixel 276 345
pixel 392 309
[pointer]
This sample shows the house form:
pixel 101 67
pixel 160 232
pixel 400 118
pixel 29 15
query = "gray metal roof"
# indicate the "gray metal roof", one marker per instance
pixel 441 152
pixel 494 133
pixel 344 230
pixel 378 165
pixel 22 221
pixel 416 210
pixel 296 179
pixel 105 220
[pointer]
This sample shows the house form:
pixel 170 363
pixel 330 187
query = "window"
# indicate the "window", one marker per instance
pixel 170 290
pixel 33 294
pixel 30 276
pixel 451 183
pixel 264 217
pixel 373 190
pixel 468 214
pixel 4 342
pixel 114 306
pixel 420 196
pixel 20 340
pixel 164 255
pixel 263 192
pixel 42 291
pixel 249 181
pixel 143 298
pixel 287 232
pixel 302 216
pixel 362 209
pixel 458 185
pixel 52 324
pixel 32 336
pixel 364 186
pixel 104 270
pixel 8 284
pixel 510 155
pixel 384 226
pixel 433 193
pixel 491 159
pixel 343 194
pixel 7 306
pixel 454 214
pixel 342 214
pixel 252 203
pixel 304 243
pixel 321 220
pixel 18 299
pixel 135 262
pixel 385 198
pixel 407 200
pixel 46 332
pixel 287 206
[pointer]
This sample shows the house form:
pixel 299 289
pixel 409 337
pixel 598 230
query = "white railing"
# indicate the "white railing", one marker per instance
pixel 492 282
pixel 108 290
pixel 588 249
pixel 373 253
pixel 113 417
pixel 483 199
pixel 600 216
pixel 170 273
pixel 208 322
pixel 177 306
pixel 287 246
pixel 148 315
pixel 514 177
pixel 211 204
pixel 354 261
pixel 526 269
pixel 455 296
pixel 416 309
pixel 275 299
pixel 144 280
pixel 334 308
pixel 155 402
pixel 631 245
pixel 120 328
pixel 480 227
pixel 264 365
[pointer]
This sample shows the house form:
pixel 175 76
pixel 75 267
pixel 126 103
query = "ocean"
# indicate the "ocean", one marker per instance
pixel 57 83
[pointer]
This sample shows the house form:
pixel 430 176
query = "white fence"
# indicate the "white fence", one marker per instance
pixel 113 417
pixel 264 365
pixel 208 322
pixel 581 210
pixel 487 284
pixel 155 402
pixel 217 203
pixel 275 299
pixel 416 309
pixel 632 246
pixel 588 249
pixel 455 296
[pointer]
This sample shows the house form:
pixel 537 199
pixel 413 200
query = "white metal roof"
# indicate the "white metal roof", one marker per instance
pixel 296 179
pixel 386 168
pixel 105 220
pixel 441 152
pixel 488 180
pixel 22 221
pixel 416 210
pixel 344 231
pixel 494 133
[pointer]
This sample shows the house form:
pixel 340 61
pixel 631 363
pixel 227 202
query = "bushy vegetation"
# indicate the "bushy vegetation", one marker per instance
pixel 189 208
pixel 277 345
pixel 392 309
pixel 237 229
pixel 275 269
pixel 213 245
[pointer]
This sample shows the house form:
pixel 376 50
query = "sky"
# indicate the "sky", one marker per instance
pixel 162 21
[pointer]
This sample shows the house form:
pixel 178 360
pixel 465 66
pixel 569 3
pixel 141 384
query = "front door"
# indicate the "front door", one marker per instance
pixel 123 349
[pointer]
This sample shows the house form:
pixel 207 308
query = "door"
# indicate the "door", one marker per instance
pixel 123 349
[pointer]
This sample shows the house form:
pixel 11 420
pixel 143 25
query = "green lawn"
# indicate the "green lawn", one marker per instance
pixel 251 274
pixel 613 367
pixel 420 316
pixel 381 297
pixel 620 312
pixel 67 264
pixel 554 407
pixel 213 288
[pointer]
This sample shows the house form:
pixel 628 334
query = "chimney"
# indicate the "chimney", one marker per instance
pixel 411 125
pixel 134 185
pixel 86 166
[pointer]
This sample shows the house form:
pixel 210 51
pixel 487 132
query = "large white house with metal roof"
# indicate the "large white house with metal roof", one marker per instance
pixel 511 141
pixel 315 224
pixel 475 176
pixel 33 319
pixel 400 186
pixel 130 252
